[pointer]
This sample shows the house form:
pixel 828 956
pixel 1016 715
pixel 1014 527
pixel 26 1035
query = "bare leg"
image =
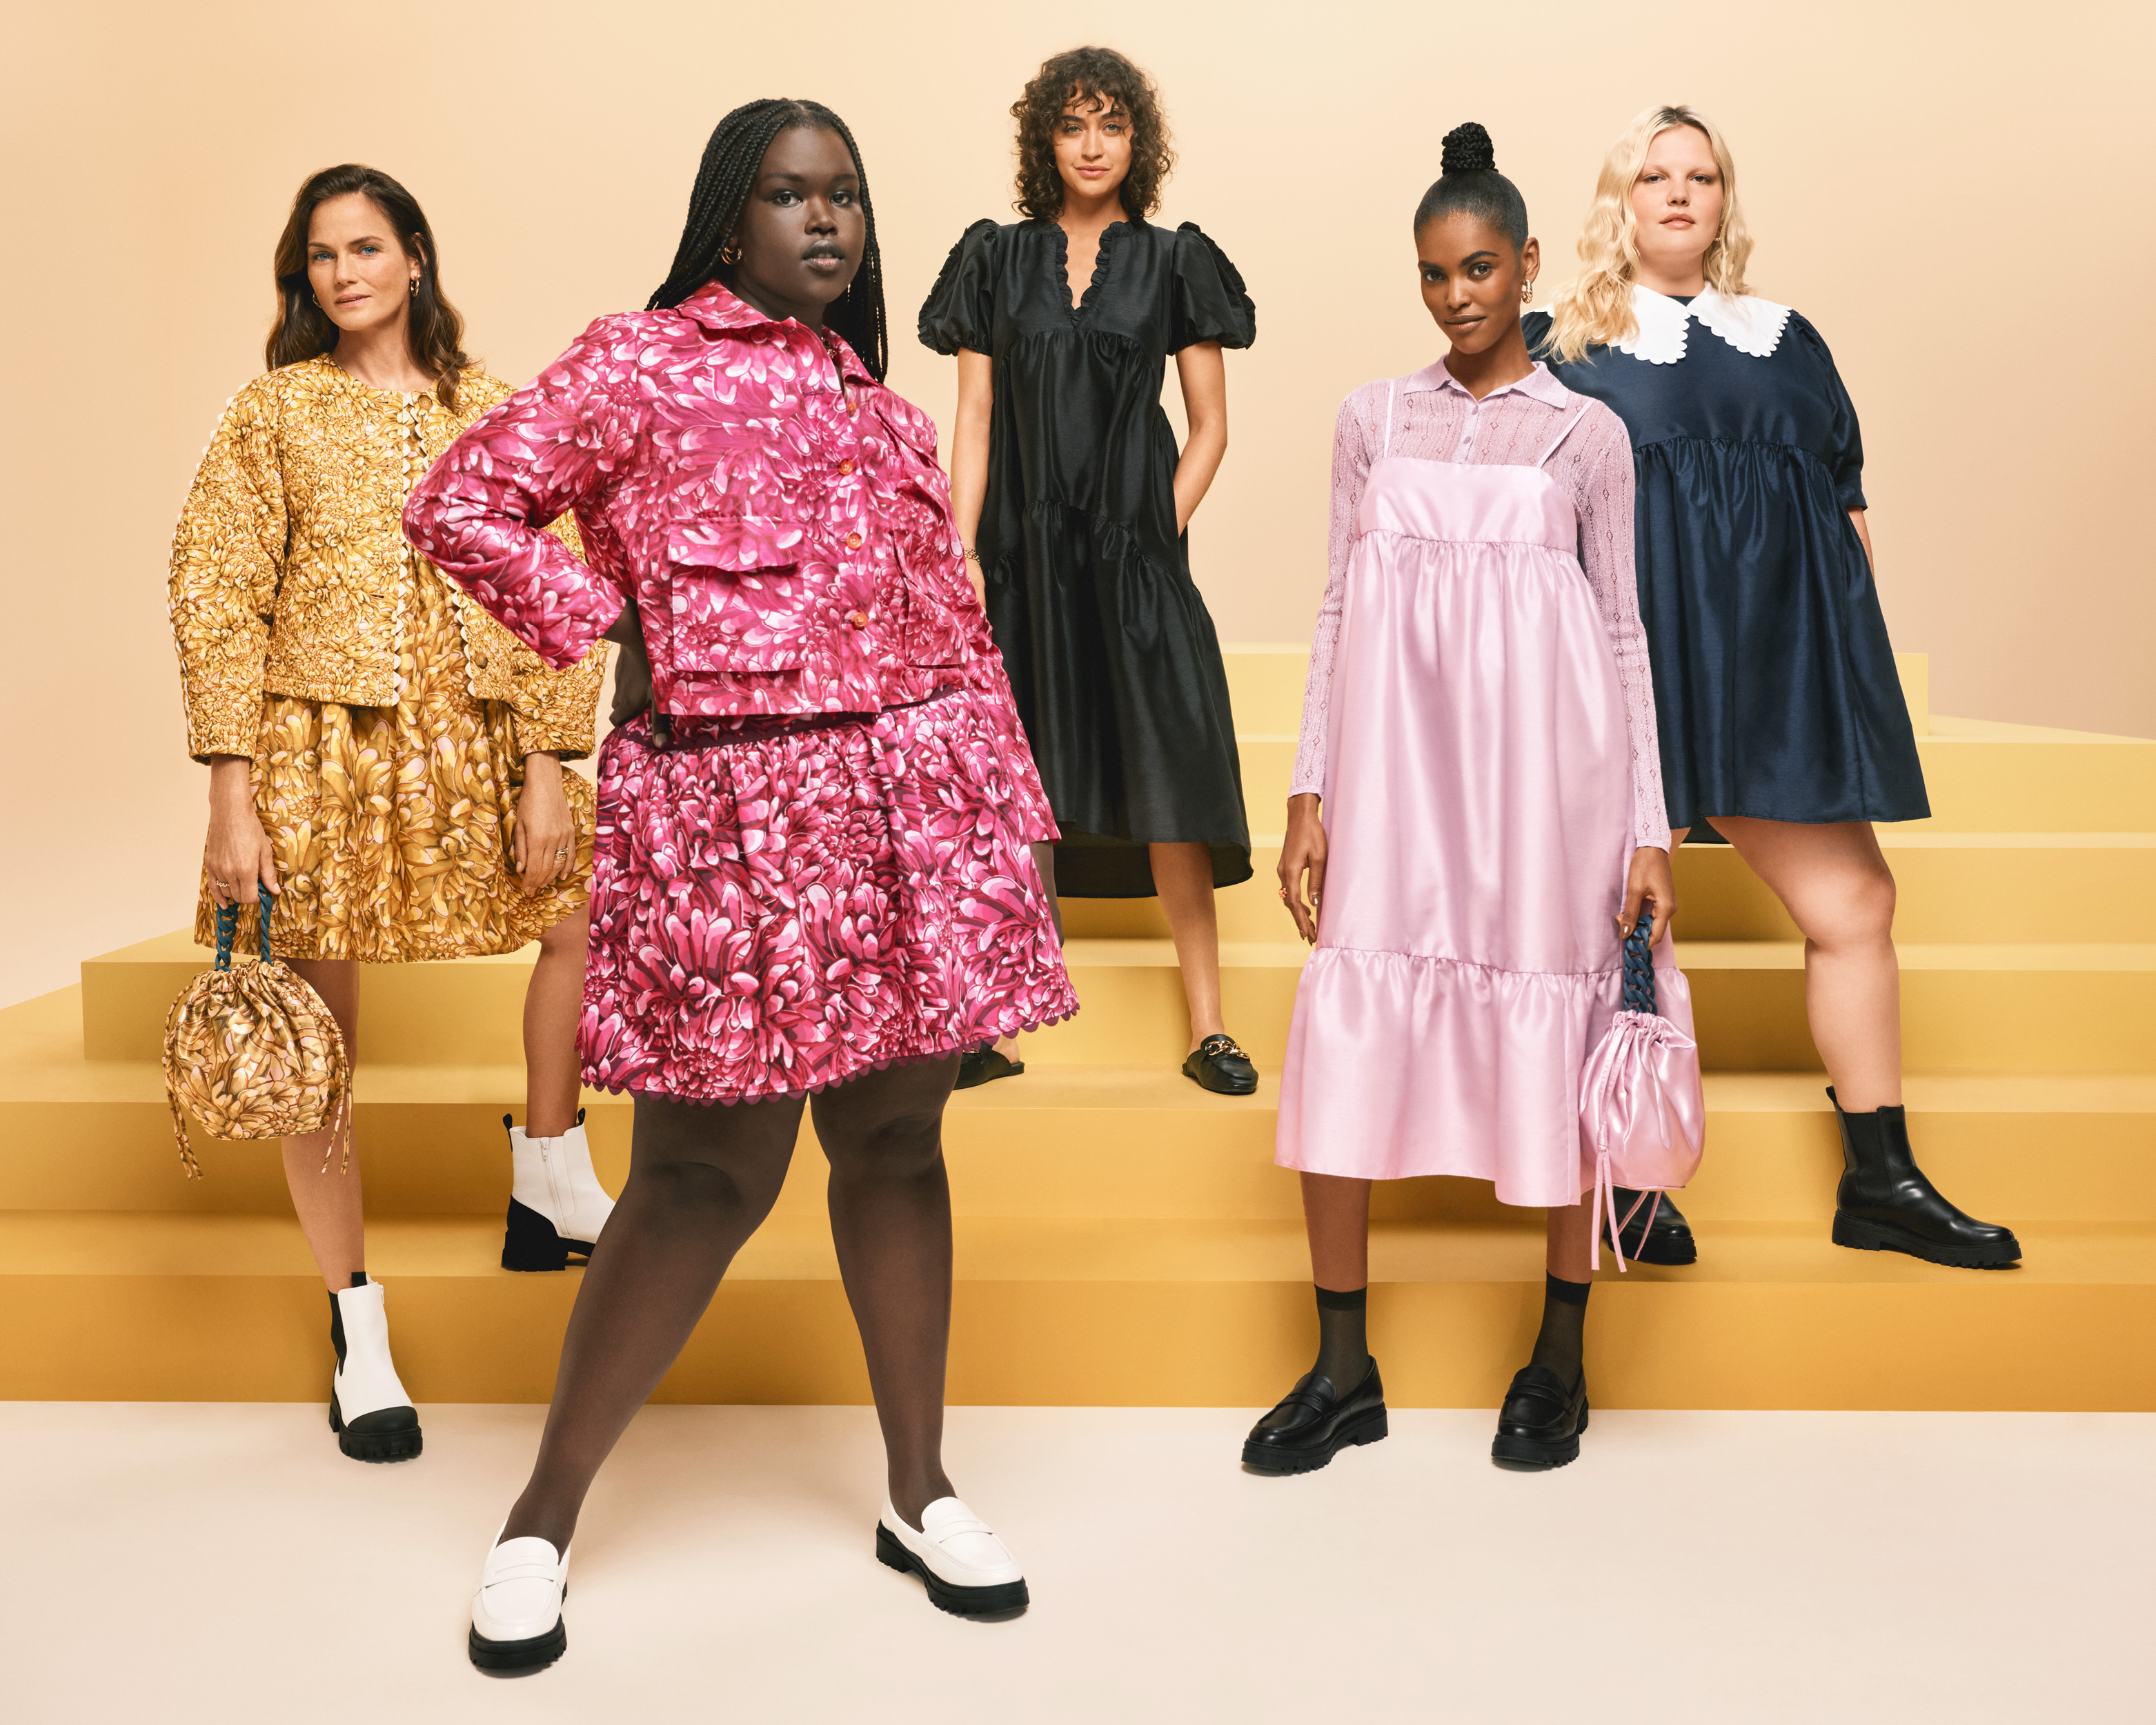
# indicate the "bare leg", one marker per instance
pixel 1336 1215
pixel 324 1190
pixel 701 1179
pixel 552 1081
pixel 890 1220
pixel 1182 875
pixel 1569 1232
pixel 1837 887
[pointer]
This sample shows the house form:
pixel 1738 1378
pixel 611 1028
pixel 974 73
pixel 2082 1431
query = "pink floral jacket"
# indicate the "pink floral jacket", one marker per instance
pixel 778 515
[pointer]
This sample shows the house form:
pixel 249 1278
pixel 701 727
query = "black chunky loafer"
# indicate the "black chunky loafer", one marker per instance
pixel 1321 1423
pixel 1539 1425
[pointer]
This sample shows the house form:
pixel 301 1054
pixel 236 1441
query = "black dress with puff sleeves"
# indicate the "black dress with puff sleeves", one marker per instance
pixel 1110 650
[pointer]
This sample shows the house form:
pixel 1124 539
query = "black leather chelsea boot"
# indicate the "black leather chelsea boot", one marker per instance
pixel 1884 1203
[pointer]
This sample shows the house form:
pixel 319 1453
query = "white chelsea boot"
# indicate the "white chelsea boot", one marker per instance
pixel 557 1205
pixel 369 1411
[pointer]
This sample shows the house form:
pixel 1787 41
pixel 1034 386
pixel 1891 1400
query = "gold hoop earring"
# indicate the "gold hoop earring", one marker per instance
pixel 415 287
pixel 730 254
pixel 1526 291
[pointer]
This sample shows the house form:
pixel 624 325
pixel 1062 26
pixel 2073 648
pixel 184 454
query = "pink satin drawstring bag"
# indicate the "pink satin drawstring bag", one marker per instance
pixel 1642 1111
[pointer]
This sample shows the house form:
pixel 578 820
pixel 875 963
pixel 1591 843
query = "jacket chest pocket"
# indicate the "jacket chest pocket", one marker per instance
pixel 935 604
pixel 739 597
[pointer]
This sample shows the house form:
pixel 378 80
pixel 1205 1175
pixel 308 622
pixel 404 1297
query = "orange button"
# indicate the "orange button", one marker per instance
pixel 859 619
pixel 845 467
pixel 853 541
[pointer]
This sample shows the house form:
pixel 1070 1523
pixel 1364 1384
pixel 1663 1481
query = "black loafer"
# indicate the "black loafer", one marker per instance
pixel 1540 1424
pixel 1321 1423
pixel 979 1065
pixel 1219 1065
pixel 1667 1240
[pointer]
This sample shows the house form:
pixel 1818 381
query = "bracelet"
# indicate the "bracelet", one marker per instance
pixel 971 556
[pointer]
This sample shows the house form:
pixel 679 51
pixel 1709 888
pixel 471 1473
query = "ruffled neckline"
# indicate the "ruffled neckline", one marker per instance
pixel 1114 231
pixel 1749 324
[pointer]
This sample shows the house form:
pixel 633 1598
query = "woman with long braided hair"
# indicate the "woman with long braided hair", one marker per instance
pixel 812 885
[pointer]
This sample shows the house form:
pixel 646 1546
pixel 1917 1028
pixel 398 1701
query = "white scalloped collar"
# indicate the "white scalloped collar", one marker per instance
pixel 1748 323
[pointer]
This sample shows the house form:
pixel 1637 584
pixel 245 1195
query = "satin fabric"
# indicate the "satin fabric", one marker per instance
pixel 1775 691
pixel 1478 820
pixel 1111 653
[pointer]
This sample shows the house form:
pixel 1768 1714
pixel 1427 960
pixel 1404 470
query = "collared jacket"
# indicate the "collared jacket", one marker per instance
pixel 290 575
pixel 776 514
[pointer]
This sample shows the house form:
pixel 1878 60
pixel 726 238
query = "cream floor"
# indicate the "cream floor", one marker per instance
pixel 210 1562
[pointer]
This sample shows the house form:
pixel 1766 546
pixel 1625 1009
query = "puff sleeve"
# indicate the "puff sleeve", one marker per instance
pixel 1210 304
pixel 960 310
pixel 228 559
pixel 479 515
pixel 1845 454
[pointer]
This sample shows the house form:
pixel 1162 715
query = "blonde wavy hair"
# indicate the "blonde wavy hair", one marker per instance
pixel 1596 309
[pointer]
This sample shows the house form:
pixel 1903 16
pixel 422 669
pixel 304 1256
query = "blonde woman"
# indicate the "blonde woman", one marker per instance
pixel 385 759
pixel 1782 728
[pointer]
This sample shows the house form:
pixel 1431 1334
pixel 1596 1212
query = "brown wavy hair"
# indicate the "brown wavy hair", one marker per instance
pixel 303 329
pixel 1101 76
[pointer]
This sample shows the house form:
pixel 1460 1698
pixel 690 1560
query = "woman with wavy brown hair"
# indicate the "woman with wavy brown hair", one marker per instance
pixel 1074 503
pixel 385 759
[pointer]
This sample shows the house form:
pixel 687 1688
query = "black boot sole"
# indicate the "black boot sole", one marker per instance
pixel 529 1243
pixel 1005 1598
pixel 1364 1429
pixel 374 1446
pixel 1862 1236
pixel 1673 1256
pixel 1526 1454
pixel 532 1655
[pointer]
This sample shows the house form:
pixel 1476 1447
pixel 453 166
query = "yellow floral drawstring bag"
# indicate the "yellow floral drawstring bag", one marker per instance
pixel 254 1052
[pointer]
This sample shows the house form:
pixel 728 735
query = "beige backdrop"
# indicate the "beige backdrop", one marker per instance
pixel 1957 196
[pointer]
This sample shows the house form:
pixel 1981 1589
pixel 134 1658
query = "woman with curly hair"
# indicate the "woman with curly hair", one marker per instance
pixel 1783 730
pixel 814 887
pixel 385 761
pixel 1075 502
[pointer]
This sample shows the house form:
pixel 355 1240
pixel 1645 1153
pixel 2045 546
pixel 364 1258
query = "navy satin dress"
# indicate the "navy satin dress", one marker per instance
pixel 1775 689
pixel 1111 653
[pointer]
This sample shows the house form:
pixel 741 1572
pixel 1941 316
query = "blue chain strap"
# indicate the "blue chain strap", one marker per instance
pixel 227 929
pixel 1640 964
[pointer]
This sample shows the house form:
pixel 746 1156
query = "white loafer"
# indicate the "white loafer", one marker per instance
pixel 516 1608
pixel 369 1410
pixel 964 1565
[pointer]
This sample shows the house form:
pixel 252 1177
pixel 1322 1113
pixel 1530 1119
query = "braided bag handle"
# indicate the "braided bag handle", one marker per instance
pixel 1639 967
pixel 254 1052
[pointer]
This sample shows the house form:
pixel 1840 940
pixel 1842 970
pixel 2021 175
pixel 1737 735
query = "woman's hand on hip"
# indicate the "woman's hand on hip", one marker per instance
pixel 1302 860
pixel 237 854
pixel 1649 882
pixel 544 839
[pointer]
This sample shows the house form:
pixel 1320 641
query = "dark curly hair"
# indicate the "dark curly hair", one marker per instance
pixel 1101 76
pixel 303 329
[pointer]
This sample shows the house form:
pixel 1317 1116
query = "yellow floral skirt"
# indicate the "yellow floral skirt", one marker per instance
pixel 393 826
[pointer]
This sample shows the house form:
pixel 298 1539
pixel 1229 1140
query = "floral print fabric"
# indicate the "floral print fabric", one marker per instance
pixel 289 576
pixel 392 825
pixel 778 515
pixel 779 913
pixel 828 870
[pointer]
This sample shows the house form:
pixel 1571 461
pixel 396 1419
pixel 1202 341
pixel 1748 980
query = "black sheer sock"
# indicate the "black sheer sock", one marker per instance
pixel 1343 1353
pixel 1560 1344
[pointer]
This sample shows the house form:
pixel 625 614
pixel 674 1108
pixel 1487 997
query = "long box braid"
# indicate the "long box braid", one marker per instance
pixel 731 161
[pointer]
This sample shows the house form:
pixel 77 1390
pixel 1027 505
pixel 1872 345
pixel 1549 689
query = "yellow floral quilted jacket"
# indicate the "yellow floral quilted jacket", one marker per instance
pixel 290 575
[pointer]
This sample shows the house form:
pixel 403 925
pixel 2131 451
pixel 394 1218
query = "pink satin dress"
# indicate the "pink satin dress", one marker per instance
pixel 1479 823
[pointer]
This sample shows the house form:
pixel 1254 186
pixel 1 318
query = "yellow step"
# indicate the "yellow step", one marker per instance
pixel 1058 1140
pixel 1122 1312
pixel 1951 887
pixel 2022 1006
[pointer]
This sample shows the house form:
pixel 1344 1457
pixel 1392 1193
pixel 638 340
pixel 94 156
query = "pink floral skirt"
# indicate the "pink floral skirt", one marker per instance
pixel 781 911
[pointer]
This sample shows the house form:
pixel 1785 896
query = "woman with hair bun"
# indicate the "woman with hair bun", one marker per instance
pixel 385 761
pixel 1784 729
pixel 1476 817
pixel 1075 505
pixel 814 887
